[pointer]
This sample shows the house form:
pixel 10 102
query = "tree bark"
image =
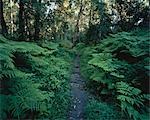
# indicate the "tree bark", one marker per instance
pixel 76 35
pixel 28 33
pixel 37 22
pixel 90 15
pixel 11 19
pixel 2 20
pixel 21 21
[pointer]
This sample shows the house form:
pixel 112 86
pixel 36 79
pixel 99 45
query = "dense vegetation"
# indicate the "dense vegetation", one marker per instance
pixel 34 80
pixel 39 40
pixel 118 71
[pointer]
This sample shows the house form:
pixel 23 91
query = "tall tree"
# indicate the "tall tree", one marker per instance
pixel 76 35
pixel 37 5
pixel 2 20
pixel 21 21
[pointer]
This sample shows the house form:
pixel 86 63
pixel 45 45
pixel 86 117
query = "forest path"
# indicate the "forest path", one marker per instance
pixel 78 93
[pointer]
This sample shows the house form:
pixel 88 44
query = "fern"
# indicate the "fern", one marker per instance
pixel 130 97
pixel 34 80
pixel 4 106
pixel 116 64
pixel 103 60
pixel 98 110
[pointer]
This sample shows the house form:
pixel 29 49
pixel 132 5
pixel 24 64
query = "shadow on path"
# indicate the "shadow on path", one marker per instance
pixel 78 93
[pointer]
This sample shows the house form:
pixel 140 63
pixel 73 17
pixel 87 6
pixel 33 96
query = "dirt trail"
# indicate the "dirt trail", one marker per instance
pixel 78 92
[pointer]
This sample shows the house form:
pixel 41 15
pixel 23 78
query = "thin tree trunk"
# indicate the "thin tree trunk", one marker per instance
pixel 90 19
pixel 36 27
pixel 11 18
pixel 2 20
pixel 21 21
pixel 90 15
pixel 28 33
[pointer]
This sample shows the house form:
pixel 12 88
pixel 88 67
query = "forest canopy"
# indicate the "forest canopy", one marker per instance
pixel 67 19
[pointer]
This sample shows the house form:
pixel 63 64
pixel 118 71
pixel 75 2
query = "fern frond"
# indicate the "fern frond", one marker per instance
pixel 104 61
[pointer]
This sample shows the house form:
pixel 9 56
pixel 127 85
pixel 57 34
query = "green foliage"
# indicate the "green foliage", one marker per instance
pixel 97 110
pixel 34 80
pixel 130 99
pixel 106 61
pixel 117 68
pixel 100 30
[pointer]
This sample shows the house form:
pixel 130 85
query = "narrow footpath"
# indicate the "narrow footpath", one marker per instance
pixel 78 93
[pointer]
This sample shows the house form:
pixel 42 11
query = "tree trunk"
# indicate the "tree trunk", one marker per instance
pixel 28 33
pixel 37 22
pixel 11 19
pixel 76 35
pixel 2 20
pixel 90 20
pixel 21 21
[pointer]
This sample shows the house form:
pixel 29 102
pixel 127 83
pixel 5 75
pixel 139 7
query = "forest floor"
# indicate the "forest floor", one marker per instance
pixel 78 93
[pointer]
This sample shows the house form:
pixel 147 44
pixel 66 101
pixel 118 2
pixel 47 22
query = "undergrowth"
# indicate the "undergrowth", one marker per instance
pixel 117 70
pixel 98 110
pixel 34 80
